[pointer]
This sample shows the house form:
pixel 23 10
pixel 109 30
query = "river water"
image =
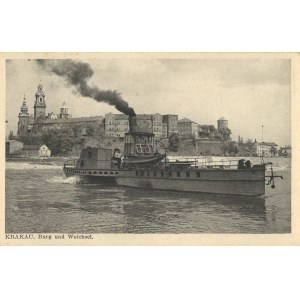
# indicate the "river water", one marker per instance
pixel 40 199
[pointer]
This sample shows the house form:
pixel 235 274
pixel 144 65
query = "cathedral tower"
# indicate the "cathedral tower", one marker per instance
pixel 39 104
pixel 64 114
pixel 23 119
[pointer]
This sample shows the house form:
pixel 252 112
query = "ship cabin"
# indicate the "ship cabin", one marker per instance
pixel 139 144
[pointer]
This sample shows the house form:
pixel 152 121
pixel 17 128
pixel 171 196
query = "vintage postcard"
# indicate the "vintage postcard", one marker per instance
pixel 149 148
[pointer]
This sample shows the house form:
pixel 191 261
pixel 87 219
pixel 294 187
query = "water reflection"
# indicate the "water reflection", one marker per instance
pixel 153 211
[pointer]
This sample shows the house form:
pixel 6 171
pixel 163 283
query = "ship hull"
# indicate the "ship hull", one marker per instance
pixel 248 182
pixel 234 187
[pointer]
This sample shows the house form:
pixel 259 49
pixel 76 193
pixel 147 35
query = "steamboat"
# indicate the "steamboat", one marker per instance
pixel 142 166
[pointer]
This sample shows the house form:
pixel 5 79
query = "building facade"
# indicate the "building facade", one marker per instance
pixel 36 151
pixel 157 126
pixel 172 123
pixel 266 149
pixel 285 151
pixel 81 123
pixel 187 128
pixel 13 147
pixel 116 125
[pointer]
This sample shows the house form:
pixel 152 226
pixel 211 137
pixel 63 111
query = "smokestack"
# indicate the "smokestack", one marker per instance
pixel 132 124
pixel 76 74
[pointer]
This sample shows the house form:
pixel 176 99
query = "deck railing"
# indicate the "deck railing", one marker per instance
pixel 71 163
pixel 204 162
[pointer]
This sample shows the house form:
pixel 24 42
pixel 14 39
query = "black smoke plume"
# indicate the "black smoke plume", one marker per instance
pixel 77 74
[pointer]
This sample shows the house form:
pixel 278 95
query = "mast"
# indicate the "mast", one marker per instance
pixel 262 140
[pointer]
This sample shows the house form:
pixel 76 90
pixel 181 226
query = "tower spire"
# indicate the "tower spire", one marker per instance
pixel 40 104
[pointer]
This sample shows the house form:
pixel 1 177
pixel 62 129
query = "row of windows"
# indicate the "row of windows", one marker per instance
pixel 91 172
pixel 165 174
pixel 117 123
pixel 30 152
pixel 117 129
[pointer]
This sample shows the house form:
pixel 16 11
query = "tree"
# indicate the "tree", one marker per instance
pixel 203 134
pixel 77 130
pixel 174 142
pixel 204 127
pixel 66 145
pixel 59 141
pixel 250 145
pixel 225 132
pixel 224 147
pixel 218 136
pixel 212 129
pixel 233 148
pixel 90 130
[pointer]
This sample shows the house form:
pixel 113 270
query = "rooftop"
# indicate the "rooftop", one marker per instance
pixel 186 120
pixel 72 120
pixel 32 147
pixel 267 144
pixel 64 105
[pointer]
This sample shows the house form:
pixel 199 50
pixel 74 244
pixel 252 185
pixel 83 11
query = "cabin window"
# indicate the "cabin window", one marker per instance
pixel 94 172
pixel 178 174
pixel 170 174
pixel 162 174
pixel 82 164
pixel 188 174
pixel 154 174
pixel 105 172
pixel 116 173
pixel 198 173
pixel 111 172
pixel 148 173
pixel 90 154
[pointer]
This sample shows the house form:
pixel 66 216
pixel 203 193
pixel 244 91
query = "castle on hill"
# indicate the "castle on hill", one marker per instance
pixel 114 125
pixel 40 121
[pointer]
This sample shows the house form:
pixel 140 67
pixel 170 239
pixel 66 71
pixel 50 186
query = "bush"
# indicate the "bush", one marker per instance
pixel 174 142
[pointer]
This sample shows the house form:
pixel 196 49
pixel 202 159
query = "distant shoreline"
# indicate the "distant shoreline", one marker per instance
pixel 43 160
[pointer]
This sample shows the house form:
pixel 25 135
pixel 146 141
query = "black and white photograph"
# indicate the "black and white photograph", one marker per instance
pixel 147 145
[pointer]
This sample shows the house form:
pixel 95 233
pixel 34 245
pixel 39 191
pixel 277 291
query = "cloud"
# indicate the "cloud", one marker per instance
pixel 256 72
pixel 235 72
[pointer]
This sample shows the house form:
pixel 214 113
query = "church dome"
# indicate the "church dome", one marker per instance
pixel 24 107
pixel 222 119
pixel 64 105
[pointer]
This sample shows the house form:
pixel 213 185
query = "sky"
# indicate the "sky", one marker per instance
pixel 248 93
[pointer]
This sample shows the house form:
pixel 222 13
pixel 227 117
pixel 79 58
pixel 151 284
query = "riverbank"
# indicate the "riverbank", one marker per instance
pixel 40 160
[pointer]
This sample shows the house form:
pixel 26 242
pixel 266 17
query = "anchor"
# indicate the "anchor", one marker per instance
pixel 272 177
